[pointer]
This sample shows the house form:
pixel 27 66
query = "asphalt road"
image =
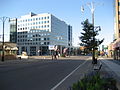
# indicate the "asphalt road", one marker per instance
pixel 36 74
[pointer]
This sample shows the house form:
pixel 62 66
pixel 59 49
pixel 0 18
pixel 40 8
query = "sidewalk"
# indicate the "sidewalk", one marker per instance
pixel 112 68
pixel 109 70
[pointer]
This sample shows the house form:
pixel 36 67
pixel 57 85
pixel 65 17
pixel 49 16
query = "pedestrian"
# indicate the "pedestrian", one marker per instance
pixel 55 54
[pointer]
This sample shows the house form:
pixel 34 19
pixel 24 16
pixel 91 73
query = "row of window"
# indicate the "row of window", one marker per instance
pixel 34 27
pixel 33 23
pixel 33 35
pixel 33 39
pixel 33 19
pixel 37 43
pixel 33 31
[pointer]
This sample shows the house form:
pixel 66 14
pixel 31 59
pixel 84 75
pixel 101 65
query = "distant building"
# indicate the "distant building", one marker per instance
pixel 10 50
pixel 35 32
pixel 117 19
pixel 13 30
pixel 116 42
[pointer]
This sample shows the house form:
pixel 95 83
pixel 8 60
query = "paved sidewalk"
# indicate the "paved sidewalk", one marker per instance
pixel 112 69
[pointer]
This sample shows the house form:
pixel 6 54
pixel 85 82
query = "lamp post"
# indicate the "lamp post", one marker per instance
pixel 92 8
pixel 3 19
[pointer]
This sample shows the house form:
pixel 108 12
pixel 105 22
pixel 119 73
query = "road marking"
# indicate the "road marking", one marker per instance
pixel 68 76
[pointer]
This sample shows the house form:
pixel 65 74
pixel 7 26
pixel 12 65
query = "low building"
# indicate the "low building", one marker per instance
pixel 10 50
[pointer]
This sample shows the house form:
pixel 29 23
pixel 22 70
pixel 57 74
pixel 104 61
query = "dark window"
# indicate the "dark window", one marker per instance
pixel 118 3
pixel 44 38
pixel 47 43
pixel 119 12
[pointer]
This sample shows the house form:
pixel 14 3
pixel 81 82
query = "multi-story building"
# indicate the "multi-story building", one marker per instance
pixel 13 30
pixel 116 43
pixel 35 32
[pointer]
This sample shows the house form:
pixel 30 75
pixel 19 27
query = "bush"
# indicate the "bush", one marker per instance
pixel 95 83
pixel 63 55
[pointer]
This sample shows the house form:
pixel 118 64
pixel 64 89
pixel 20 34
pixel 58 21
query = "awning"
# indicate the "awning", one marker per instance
pixel 116 44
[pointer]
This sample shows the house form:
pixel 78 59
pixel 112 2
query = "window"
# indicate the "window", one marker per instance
pixel 119 12
pixel 118 3
pixel 48 39
pixel 47 43
pixel 119 21
pixel 45 39
pixel 44 43
pixel 33 19
pixel 28 19
pixel 42 38
pixel 48 17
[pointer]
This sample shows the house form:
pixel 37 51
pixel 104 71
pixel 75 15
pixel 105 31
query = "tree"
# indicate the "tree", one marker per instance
pixel 88 37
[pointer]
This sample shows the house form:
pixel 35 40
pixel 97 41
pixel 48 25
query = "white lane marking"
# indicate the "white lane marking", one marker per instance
pixel 68 76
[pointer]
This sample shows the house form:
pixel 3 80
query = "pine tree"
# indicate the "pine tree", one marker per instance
pixel 88 37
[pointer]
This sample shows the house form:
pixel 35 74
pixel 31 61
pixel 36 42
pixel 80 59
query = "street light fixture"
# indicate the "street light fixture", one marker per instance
pixel 3 19
pixel 92 8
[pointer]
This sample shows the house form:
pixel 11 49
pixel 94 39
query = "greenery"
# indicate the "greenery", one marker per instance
pixel 63 55
pixel 95 83
pixel 88 37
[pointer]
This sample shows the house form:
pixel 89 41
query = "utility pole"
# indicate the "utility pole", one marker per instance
pixel 3 19
pixel 92 8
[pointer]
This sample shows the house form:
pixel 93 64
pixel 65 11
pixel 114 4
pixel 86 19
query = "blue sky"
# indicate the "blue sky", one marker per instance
pixel 67 10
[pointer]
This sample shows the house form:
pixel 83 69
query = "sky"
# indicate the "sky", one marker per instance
pixel 66 10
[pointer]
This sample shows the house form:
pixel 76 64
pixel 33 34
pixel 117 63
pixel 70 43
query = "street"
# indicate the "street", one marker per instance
pixel 36 74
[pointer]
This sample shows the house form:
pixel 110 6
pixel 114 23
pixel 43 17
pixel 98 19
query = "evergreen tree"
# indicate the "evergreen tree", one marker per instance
pixel 88 37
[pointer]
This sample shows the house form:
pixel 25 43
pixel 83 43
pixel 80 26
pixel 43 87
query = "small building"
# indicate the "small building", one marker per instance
pixel 10 50
pixel 116 49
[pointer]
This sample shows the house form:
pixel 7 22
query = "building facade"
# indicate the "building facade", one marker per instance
pixel 35 32
pixel 13 30
pixel 115 50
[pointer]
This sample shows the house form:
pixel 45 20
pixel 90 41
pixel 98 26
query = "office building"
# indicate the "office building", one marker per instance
pixel 13 30
pixel 35 32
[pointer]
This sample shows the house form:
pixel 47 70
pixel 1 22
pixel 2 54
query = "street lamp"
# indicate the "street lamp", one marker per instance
pixel 92 8
pixel 3 19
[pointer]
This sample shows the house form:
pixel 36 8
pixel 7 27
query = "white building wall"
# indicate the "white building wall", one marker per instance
pixel 47 25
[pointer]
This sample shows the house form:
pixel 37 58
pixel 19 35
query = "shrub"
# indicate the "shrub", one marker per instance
pixel 95 83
